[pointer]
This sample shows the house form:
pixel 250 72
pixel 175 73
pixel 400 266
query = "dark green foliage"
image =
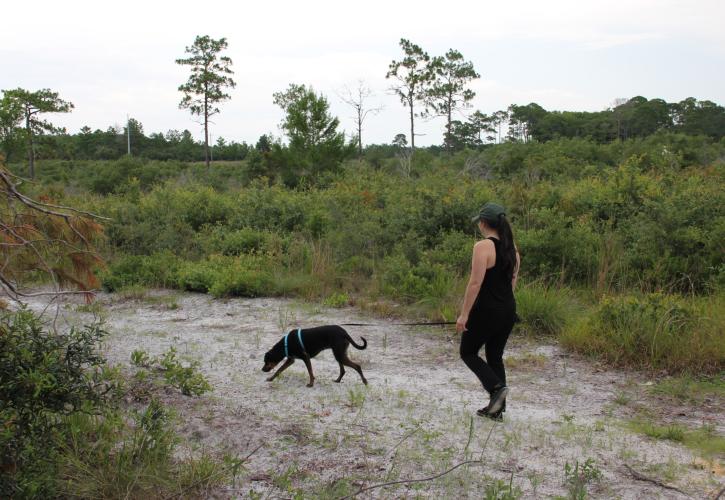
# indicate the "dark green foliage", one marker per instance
pixel 44 378
pixel 62 433
pixel 635 117
pixel 159 269
pixel 315 144
pixel 581 222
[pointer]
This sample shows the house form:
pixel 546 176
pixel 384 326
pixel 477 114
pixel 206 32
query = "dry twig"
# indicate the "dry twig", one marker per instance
pixel 641 477
pixel 424 479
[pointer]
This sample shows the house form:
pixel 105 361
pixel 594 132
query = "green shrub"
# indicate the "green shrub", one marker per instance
pixel 45 377
pixel 222 276
pixel 159 270
pixel 242 282
pixel 186 378
pixel 402 281
pixel 653 331
pixel 140 358
pixel 453 250
pixel 241 241
pixel 63 435
pixel 199 276
pixel 558 248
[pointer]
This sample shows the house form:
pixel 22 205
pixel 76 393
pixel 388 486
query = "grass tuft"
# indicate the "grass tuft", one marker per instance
pixel 654 331
pixel 545 310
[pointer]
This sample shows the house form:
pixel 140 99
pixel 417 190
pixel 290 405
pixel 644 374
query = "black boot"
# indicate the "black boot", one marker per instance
pixel 498 416
pixel 498 399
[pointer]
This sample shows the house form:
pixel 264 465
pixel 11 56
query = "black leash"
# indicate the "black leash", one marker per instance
pixel 434 323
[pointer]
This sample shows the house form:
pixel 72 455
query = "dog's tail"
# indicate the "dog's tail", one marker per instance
pixel 361 347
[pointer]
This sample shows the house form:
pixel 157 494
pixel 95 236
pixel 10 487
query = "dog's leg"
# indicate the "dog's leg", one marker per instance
pixel 354 366
pixel 342 372
pixel 306 359
pixel 282 368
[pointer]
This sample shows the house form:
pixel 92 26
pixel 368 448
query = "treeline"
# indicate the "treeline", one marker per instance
pixel 115 142
pixel 635 118
pixel 428 86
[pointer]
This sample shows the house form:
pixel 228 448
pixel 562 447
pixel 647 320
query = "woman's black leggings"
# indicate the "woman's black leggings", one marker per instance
pixel 493 332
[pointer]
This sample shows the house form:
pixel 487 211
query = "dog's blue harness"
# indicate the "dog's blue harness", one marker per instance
pixel 299 337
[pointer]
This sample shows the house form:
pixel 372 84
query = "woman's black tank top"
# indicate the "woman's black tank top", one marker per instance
pixel 496 292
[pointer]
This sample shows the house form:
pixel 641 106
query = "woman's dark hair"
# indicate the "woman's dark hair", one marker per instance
pixel 508 249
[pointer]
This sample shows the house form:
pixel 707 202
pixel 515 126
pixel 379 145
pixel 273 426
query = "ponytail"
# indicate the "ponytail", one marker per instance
pixel 495 216
pixel 508 248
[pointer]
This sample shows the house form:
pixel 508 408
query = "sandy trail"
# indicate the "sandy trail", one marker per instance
pixel 415 419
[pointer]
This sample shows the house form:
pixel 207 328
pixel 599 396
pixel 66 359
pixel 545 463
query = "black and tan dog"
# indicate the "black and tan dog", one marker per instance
pixel 307 343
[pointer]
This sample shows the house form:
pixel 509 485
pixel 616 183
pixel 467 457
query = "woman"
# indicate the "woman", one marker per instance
pixel 489 309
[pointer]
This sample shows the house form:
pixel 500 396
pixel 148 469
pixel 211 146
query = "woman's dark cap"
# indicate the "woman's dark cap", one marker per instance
pixel 489 212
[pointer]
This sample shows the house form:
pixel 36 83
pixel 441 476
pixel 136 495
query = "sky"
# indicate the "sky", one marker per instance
pixel 113 59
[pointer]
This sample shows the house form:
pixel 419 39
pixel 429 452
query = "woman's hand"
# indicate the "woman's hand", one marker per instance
pixel 461 323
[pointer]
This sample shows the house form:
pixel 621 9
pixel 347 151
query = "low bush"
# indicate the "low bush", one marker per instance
pixel 221 239
pixel 654 332
pixel 63 433
pixel 159 270
pixel 45 377
pixel 186 378
pixel 221 276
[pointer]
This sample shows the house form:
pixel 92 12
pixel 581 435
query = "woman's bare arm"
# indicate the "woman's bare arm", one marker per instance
pixel 481 251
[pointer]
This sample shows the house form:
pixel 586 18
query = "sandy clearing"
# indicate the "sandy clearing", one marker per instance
pixel 415 418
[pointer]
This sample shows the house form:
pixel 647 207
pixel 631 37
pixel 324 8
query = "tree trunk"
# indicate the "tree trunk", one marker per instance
pixel 206 132
pixel 359 134
pixel 412 127
pixel 31 149
pixel 448 127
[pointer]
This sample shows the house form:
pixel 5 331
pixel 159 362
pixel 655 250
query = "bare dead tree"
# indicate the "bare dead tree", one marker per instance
pixel 40 240
pixel 617 112
pixel 356 97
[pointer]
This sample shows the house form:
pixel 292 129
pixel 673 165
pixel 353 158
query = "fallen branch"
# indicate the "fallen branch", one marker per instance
pixel 406 436
pixel 641 477
pixel 424 479
pixel 410 481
